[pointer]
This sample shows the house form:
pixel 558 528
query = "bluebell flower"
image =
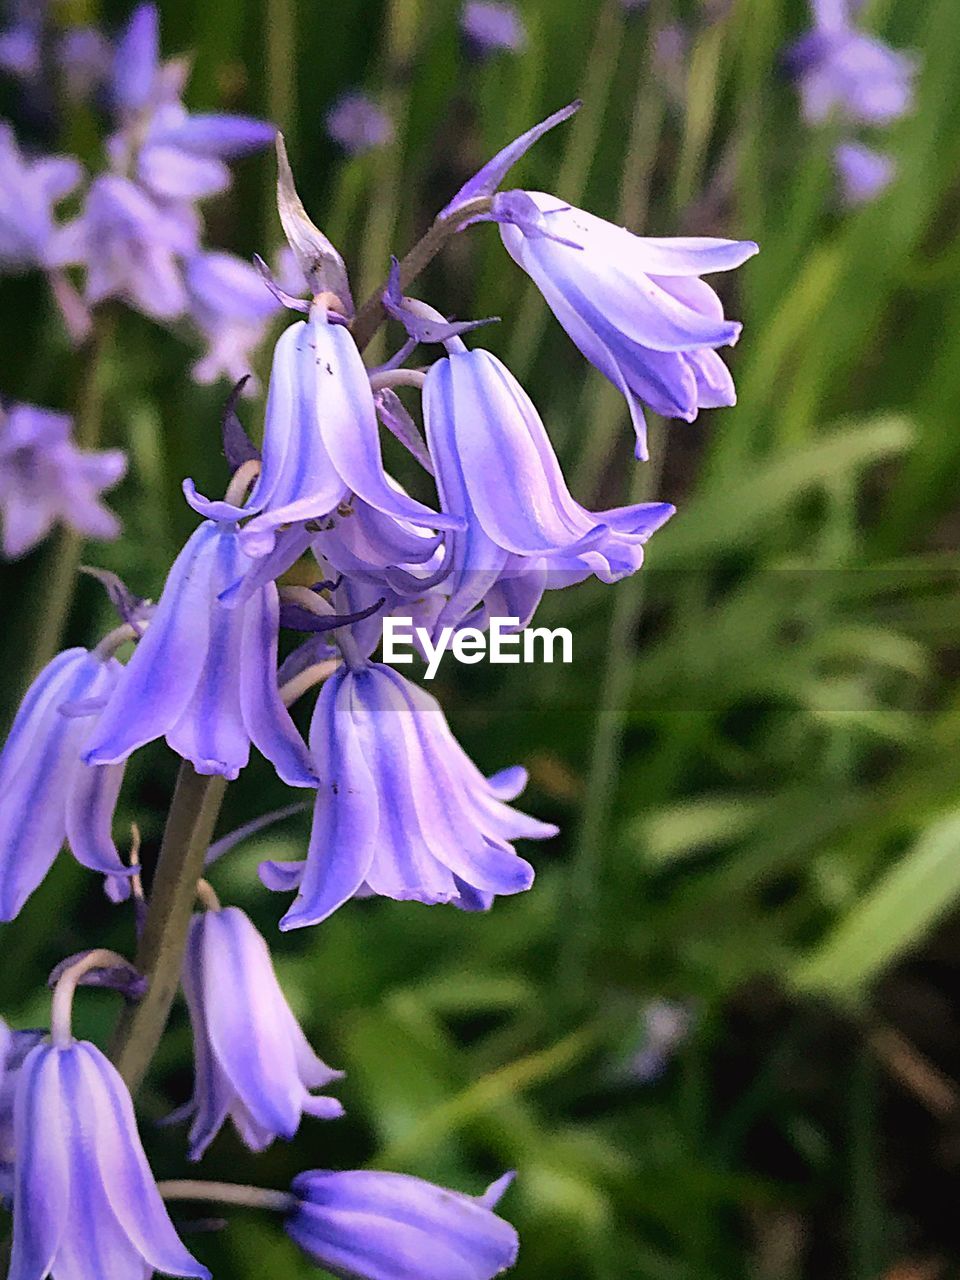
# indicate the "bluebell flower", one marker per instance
pixel 14 1047
pixel 844 72
pixel 45 478
pixel 85 1204
pixel 49 795
pixel 863 172
pixel 357 124
pixel 401 811
pixel 496 467
pixel 232 308
pixel 490 26
pixel 252 1062
pixel 30 189
pixel 132 245
pixel 320 440
pixel 204 676
pixel 636 307
pixel 368 1225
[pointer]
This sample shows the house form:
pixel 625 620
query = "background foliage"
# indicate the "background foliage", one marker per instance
pixel 755 755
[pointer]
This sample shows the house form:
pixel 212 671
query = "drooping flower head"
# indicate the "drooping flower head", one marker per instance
pixel 252 1062
pixel 842 71
pixel 85 1205
pixel 204 676
pixel 357 124
pixel 45 478
pixel 368 1225
pixel 490 26
pixel 864 173
pixel 496 467
pixel 402 811
pixel 636 307
pixel 50 795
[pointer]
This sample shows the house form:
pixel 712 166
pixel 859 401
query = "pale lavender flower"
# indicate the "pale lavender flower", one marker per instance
pixel 490 26
pixel 132 245
pixel 635 307
pixel 357 124
pixel 864 173
pixel 204 675
pixel 45 478
pixel 14 1047
pixel 84 1202
pixel 402 811
pixel 86 58
pixel 666 1025
pixel 232 308
pixel 496 467
pixel 50 797
pixel 368 1225
pixel 252 1062
pixel 29 191
pixel 320 438
pixel 845 72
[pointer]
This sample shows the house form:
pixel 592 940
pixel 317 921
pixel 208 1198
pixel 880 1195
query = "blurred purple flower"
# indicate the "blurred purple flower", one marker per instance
pixel 45 478
pixel 50 795
pixel 496 467
pixel 489 27
pixel 402 811
pixel 842 71
pixel 368 1225
pixel 204 675
pixel 14 1047
pixel 85 1203
pixel 357 124
pixel 864 173
pixel 86 57
pixel 29 190
pixel 232 308
pixel 131 245
pixel 666 1025
pixel 252 1062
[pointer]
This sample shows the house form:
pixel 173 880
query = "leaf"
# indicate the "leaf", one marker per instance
pixel 907 901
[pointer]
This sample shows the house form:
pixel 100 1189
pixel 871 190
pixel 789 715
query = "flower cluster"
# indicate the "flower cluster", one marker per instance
pixel 845 75
pixel 400 810
pixel 138 236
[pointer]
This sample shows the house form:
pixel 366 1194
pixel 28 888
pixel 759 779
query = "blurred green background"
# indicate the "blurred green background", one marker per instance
pixel 755 758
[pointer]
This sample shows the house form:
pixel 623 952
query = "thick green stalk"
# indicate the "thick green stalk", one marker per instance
pixel 60 578
pixel 186 838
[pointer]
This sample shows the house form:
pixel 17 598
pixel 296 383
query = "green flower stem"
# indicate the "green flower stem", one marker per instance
pixel 186 838
pixel 60 577
pixel 228 1193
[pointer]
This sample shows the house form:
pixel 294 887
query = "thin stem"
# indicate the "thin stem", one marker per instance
pixel 298 685
pixel 186 837
pixel 228 1193
pixel 61 1007
pixel 583 888
pixel 372 315
pixel 281 42
pixel 397 378
pixel 241 480
pixel 60 578
pixel 115 640
pixel 207 896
